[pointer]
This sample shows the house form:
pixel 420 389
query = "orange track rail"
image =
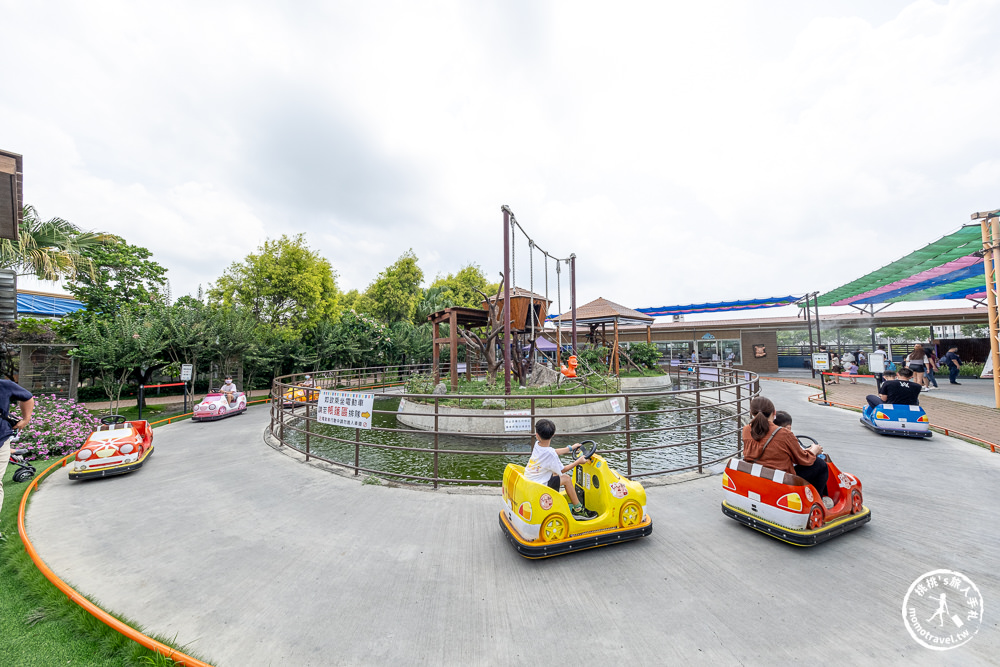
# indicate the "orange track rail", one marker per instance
pixel 87 605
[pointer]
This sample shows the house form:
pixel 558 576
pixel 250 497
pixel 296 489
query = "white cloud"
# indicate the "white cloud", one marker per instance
pixel 685 153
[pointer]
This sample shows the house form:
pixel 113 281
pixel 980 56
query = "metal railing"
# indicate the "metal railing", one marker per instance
pixel 698 423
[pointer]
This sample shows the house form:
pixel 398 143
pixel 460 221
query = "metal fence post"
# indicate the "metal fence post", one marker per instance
pixel 308 409
pixel 698 417
pixel 739 418
pixel 628 437
pixel 357 451
pixel 436 403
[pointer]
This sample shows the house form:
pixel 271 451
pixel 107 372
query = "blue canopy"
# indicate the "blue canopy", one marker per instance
pixel 751 304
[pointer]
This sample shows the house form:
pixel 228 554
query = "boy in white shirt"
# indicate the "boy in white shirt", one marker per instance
pixel 545 467
pixel 229 390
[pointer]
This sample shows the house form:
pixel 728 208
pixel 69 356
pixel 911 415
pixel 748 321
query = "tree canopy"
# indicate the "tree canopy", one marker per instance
pixel 123 274
pixel 49 249
pixel 284 282
pixel 395 292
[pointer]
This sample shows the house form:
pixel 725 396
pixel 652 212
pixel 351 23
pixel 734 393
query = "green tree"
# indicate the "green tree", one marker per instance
pixel 396 290
pixel 187 327
pixel 123 275
pixel 50 249
pixel 128 345
pixel 283 283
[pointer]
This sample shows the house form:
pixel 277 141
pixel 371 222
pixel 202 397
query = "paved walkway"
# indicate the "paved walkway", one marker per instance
pixel 965 408
pixel 250 557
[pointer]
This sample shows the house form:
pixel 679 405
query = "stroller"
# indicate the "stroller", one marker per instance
pixel 27 471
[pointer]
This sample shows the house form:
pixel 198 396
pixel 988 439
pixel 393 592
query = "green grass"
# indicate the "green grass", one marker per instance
pixel 38 624
pixel 149 413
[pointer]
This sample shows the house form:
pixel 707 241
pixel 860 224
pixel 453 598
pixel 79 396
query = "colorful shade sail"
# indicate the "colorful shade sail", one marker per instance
pixel 949 268
pixel 722 306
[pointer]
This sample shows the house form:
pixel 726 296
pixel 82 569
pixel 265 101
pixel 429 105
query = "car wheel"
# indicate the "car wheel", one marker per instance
pixel 222 411
pixel 555 528
pixel 22 475
pixel 856 503
pixel 815 517
pixel 631 515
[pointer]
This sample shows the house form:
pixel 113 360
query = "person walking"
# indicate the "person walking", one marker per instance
pixel 930 382
pixel 954 365
pixel 11 391
pixel 916 361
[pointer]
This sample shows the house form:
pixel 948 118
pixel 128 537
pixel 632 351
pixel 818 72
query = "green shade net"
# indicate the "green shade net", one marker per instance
pixel 962 243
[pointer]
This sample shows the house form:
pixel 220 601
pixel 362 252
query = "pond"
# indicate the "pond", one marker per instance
pixel 672 421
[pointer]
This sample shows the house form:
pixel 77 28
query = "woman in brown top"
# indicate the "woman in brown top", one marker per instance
pixel 776 447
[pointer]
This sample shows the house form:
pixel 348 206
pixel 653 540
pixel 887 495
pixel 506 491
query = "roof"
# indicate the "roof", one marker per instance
pixel 853 320
pixel 601 310
pixel 750 304
pixel 949 268
pixel 46 305
pixel 520 291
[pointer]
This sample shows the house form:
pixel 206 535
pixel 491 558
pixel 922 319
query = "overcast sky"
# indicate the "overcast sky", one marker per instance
pixel 686 152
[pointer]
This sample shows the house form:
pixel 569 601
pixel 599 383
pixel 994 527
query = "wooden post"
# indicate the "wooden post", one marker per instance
pixel 453 344
pixel 616 346
pixel 436 354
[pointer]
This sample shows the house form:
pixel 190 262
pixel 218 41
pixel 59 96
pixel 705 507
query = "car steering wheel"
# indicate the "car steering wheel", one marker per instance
pixel 113 419
pixel 586 450
pixel 806 437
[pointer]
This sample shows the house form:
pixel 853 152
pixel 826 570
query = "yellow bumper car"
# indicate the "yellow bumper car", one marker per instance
pixel 538 521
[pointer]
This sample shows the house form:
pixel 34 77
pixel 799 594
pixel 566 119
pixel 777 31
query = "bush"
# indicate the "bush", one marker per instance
pixel 970 369
pixel 594 359
pixel 644 354
pixel 58 426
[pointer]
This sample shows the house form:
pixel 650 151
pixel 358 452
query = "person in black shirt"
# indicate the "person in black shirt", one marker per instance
pixel 11 391
pixel 954 365
pixel 897 392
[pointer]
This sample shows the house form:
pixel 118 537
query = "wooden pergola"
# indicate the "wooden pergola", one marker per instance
pixel 599 313
pixel 454 317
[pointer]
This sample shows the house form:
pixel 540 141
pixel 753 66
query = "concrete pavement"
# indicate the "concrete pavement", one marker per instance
pixel 250 557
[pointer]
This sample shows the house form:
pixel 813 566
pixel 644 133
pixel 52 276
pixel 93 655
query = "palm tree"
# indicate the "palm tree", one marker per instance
pixel 49 249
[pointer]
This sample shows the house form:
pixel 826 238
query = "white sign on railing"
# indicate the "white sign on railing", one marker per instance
pixel 187 370
pixel 517 420
pixel 345 408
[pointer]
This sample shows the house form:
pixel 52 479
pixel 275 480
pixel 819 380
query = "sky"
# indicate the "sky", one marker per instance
pixel 684 152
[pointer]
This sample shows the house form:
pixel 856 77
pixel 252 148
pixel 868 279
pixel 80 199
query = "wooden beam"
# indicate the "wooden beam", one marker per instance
pixel 453 331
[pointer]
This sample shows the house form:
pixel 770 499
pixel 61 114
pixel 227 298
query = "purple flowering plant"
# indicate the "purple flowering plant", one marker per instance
pixel 58 426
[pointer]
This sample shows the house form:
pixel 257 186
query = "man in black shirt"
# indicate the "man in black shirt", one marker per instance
pixel 897 392
pixel 11 391
pixel 954 365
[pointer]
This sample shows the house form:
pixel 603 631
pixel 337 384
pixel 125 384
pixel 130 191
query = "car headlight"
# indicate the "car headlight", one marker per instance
pixel 84 454
pixel 126 448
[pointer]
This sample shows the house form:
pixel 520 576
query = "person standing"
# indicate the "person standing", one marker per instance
pixel 916 361
pixel 930 382
pixel 11 391
pixel 954 365
pixel 878 364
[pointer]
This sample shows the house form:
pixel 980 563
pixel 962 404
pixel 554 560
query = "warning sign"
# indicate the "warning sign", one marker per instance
pixel 517 420
pixel 345 408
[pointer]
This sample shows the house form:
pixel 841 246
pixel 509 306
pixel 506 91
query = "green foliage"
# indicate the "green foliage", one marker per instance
pixel 644 354
pixel 123 275
pixel 395 291
pixel 283 283
pixel 50 249
pixel 115 348
pixel 594 358
pixel 975 331
pixel 903 334
pixel 970 369
pixel 420 384
pixel 461 287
